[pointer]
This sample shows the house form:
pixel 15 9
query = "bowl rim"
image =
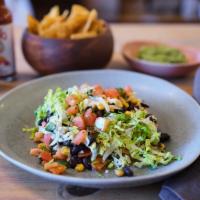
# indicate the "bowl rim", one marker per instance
pixel 158 64
pixel 97 182
pixel 28 33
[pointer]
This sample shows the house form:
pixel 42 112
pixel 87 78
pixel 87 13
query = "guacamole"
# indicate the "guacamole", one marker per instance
pixel 161 54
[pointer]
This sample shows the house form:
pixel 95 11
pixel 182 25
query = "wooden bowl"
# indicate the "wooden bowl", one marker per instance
pixel 49 56
pixel 130 53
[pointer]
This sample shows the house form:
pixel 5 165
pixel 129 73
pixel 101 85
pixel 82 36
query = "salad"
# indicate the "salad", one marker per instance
pixel 96 128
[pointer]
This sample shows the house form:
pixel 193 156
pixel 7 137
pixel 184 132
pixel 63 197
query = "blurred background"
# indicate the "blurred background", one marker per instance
pixel 139 11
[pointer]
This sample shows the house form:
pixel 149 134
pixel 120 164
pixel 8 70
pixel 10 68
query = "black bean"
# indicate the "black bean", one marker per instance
pixel 52 150
pixel 90 92
pixel 46 119
pixel 91 138
pixel 49 114
pixel 100 113
pixel 39 160
pixel 128 171
pixel 94 109
pixel 136 107
pixel 148 115
pixel 77 148
pixel 63 124
pixel 61 143
pixel 119 111
pixel 90 130
pixel 89 107
pixel 132 106
pixel 153 119
pixel 87 163
pixel 40 122
pixel 144 105
pixel 123 109
pixel 74 160
pixel 164 137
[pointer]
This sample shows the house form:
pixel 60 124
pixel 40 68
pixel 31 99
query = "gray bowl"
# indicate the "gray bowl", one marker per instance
pixel 178 114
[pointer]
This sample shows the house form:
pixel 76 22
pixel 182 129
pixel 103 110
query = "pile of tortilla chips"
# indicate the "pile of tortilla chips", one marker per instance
pixel 80 23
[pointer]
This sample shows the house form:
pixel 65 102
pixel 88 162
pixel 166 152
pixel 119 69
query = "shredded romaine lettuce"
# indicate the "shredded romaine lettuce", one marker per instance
pixel 30 131
pixel 53 102
pixel 140 141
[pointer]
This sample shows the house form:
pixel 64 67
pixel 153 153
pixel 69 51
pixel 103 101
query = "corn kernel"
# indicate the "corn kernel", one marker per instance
pixel 128 113
pixel 119 103
pixel 42 146
pixel 79 167
pixel 124 102
pixel 161 146
pixel 112 108
pixel 134 100
pixel 38 136
pixel 119 172
pixel 100 106
pixel 65 151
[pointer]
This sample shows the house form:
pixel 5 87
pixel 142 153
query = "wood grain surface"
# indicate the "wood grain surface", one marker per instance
pixel 16 184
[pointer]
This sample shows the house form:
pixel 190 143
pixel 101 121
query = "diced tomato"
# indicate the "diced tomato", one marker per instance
pixel 38 136
pixel 46 156
pixel 72 100
pixel 50 165
pixel 47 139
pixel 79 122
pixel 89 117
pixel 54 168
pixel 58 170
pixel 128 90
pixel 72 110
pixel 35 151
pixel 111 92
pixel 98 90
pixel 59 155
pixel 98 164
pixel 80 137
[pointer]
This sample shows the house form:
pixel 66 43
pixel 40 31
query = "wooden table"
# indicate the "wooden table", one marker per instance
pixel 16 184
